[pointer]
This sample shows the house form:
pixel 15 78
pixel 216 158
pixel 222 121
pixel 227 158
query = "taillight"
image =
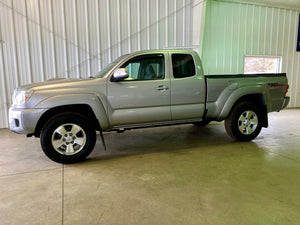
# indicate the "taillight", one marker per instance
pixel 287 89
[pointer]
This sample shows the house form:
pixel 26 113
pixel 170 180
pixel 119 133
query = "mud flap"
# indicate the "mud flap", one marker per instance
pixel 102 138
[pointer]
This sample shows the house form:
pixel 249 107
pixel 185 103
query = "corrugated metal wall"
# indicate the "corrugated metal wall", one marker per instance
pixel 43 39
pixel 233 30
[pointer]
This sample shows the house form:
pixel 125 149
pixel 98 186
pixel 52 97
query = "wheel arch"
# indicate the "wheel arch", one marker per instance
pixel 82 109
pixel 257 99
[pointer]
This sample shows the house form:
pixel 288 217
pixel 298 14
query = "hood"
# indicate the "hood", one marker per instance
pixel 55 83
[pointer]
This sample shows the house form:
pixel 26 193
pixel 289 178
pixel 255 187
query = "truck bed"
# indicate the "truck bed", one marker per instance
pixel 224 90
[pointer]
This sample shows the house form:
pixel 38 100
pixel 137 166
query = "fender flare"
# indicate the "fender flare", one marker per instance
pixel 78 99
pixel 239 93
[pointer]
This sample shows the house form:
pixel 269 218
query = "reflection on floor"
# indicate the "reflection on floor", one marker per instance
pixel 169 175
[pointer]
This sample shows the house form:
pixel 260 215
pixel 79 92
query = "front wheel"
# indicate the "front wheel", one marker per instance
pixel 244 122
pixel 68 138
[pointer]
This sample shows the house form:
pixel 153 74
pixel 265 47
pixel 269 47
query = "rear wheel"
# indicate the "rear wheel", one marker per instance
pixel 68 138
pixel 244 122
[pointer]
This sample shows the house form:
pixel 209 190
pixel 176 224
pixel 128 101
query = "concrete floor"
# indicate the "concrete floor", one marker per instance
pixel 169 175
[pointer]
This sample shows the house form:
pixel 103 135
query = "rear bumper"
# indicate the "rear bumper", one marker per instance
pixel 286 101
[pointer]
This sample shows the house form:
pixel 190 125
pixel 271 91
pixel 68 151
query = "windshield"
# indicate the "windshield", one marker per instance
pixel 106 69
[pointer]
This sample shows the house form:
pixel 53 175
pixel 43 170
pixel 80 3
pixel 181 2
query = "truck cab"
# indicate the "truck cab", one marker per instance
pixel 161 87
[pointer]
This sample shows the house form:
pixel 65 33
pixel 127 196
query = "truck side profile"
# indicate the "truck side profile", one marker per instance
pixel 143 89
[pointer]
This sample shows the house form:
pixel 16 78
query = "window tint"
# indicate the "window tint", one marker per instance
pixel 146 67
pixel 183 65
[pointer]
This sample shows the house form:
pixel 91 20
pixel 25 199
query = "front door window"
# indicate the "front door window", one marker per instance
pixel 146 67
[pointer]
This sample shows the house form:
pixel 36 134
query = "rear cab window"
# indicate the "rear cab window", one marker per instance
pixel 183 65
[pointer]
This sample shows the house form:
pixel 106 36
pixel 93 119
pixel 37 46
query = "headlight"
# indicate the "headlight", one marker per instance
pixel 20 97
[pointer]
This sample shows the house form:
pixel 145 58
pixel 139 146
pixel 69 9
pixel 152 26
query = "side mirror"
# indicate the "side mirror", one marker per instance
pixel 120 74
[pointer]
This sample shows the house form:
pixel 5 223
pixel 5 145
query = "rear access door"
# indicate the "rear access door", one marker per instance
pixel 187 87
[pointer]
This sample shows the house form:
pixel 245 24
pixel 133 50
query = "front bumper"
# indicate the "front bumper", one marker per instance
pixel 23 121
pixel 286 101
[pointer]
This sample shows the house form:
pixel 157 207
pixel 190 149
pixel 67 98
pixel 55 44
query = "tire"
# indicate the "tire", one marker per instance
pixel 244 122
pixel 68 138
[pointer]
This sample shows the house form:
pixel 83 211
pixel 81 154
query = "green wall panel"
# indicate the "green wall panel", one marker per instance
pixel 233 30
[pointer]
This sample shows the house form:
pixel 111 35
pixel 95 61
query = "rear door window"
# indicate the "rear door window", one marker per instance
pixel 183 65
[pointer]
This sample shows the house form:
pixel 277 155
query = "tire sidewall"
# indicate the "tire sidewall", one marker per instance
pixel 54 123
pixel 235 115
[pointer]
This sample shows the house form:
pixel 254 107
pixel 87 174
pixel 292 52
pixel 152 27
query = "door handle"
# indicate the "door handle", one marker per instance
pixel 162 88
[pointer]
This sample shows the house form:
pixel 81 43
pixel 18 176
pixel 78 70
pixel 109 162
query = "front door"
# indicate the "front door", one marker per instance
pixel 144 97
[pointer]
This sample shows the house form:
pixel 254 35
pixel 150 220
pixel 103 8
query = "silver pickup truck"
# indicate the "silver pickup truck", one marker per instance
pixel 143 89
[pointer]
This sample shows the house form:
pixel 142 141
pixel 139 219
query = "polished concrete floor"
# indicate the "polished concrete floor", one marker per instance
pixel 168 175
